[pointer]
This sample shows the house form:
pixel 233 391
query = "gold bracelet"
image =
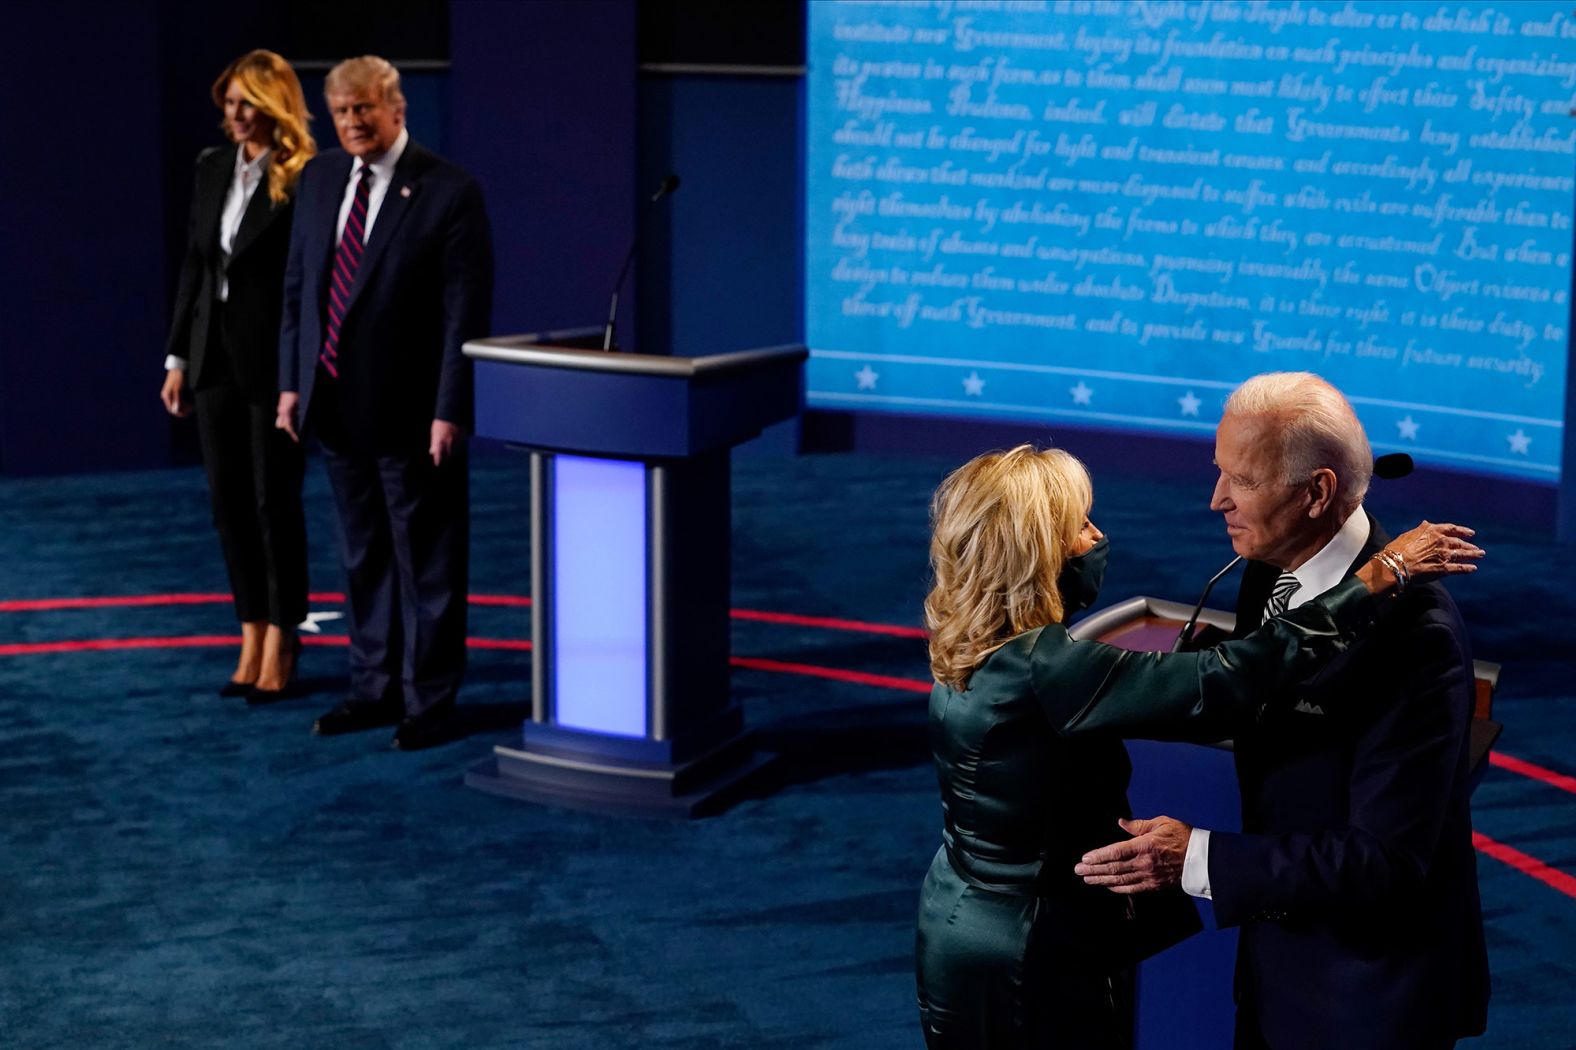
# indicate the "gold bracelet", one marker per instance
pixel 1397 566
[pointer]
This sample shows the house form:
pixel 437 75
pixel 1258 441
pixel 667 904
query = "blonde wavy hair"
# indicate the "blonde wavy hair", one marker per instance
pixel 1001 529
pixel 1316 426
pixel 268 82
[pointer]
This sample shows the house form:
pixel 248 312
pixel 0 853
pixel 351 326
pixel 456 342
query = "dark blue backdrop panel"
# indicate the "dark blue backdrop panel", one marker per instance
pixel 82 304
pixel 720 263
pixel 543 104
pixel 196 41
pixel 1191 991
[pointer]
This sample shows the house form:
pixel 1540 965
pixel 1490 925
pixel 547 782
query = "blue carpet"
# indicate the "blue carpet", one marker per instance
pixel 179 871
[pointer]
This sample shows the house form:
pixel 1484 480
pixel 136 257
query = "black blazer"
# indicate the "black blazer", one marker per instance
pixel 256 276
pixel 423 287
pixel 1355 880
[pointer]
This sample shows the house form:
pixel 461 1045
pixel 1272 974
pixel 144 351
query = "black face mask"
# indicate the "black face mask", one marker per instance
pixel 1081 576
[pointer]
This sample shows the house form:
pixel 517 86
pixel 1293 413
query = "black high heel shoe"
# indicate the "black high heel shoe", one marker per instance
pixel 256 697
pixel 233 688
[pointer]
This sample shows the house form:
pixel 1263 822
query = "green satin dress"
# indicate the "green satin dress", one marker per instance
pixel 1013 949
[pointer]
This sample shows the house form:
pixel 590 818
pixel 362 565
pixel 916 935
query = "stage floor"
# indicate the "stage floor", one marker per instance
pixel 179 870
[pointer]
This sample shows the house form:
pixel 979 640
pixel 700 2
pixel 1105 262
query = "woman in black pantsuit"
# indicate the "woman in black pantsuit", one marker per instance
pixel 222 356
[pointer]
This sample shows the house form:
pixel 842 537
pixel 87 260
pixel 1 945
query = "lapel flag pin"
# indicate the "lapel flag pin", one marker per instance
pixel 404 191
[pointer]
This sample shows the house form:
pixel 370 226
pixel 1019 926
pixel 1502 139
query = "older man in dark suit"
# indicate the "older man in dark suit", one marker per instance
pixel 1354 880
pixel 389 273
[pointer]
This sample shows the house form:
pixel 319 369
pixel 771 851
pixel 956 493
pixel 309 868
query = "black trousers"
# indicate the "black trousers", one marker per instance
pixel 404 531
pixel 254 485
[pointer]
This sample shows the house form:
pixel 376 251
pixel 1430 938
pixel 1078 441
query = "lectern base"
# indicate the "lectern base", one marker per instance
pixel 700 788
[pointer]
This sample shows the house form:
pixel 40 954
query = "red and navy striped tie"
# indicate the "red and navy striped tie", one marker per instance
pixel 346 258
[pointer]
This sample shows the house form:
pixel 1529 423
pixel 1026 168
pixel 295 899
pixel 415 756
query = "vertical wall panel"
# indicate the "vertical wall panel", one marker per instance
pixel 82 303
pixel 727 250
pixel 543 105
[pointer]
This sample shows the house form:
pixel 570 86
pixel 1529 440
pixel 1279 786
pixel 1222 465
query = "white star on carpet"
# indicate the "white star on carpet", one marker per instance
pixel 973 385
pixel 313 624
pixel 1081 393
pixel 1189 404
pixel 1407 427
pixel 867 377
pixel 1519 442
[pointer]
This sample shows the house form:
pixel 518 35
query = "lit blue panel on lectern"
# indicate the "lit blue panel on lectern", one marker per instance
pixel 599 595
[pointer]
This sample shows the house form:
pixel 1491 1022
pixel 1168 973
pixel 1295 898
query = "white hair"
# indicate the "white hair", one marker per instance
pixel 1317 428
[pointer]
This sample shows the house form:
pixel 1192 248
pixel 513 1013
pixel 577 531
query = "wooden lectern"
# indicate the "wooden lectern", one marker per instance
pixel 630 508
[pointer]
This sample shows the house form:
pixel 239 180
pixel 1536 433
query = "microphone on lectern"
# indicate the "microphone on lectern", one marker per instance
pixel 667 186
pixel 1186 636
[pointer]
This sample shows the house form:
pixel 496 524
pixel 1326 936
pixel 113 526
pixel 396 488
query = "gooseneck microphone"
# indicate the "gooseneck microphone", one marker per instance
pixel 667 186
pixel 1187 629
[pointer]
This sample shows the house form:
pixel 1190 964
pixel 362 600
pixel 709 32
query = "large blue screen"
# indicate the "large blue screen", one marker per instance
pixel 1114 212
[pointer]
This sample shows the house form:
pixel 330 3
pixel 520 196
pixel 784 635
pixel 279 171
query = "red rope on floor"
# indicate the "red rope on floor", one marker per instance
pixel 756 663
pixel 1525 863
pixel 508 601
pixel 48 604
pixel 1522 862
pixel 191 641
pixel 511 601
pixel 1506 762
pixel 104 644
pixel 829 623
pixel 1536 772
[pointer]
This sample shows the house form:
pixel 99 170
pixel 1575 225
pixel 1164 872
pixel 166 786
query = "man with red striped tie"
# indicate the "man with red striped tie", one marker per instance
pixel 389 273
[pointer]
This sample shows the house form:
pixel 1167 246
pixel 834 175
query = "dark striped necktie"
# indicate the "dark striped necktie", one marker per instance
pixel 1285 586
pixel 343 277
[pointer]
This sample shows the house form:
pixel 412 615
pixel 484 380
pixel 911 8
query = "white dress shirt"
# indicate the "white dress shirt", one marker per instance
pixel 382 177
pixel 244 180
pixel 243 183
pixel 1315 576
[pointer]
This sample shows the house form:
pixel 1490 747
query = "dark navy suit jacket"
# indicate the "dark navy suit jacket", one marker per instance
pixel 1355 880
pixel 424 287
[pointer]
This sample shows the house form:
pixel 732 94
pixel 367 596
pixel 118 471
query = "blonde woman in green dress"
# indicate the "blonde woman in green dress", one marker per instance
pixel 1013 949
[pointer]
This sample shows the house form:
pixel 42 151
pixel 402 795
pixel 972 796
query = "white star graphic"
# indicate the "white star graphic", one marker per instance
pixel 867 377
pixel 1189 404
pixel 1519 442
pixel 1407 427
pixel 973 385
pixel 313 624
pixel 1081 393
